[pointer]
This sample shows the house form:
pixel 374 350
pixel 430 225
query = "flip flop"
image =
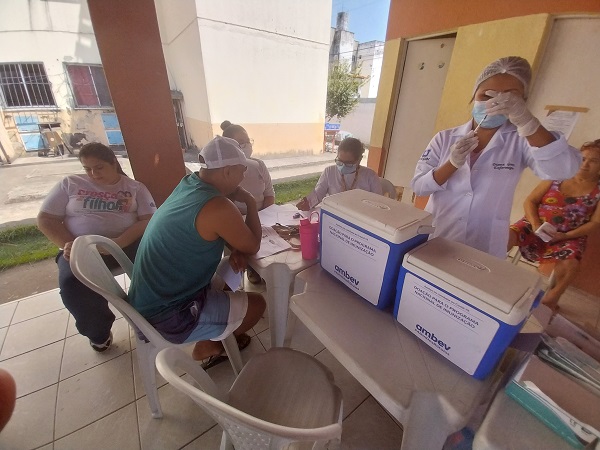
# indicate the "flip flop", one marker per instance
pixel 214 360
pixel 243 341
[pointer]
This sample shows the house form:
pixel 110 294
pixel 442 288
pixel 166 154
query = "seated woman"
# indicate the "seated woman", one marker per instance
pixel 571 207
pixel 347 174
pixel 257 179
pixel 104 201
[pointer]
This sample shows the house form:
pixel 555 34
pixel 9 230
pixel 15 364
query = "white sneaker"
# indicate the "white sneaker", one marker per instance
pixel 104 346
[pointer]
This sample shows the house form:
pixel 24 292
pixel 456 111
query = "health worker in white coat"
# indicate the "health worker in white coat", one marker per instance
pixel 470 172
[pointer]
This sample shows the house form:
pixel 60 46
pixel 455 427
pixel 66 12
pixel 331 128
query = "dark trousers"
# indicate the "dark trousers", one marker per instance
pixel 93 317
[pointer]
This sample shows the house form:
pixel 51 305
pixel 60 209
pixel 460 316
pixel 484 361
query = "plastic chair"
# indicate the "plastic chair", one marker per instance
pixel 281 397
pixel 89 267
pixel 389 190
pixel 516 258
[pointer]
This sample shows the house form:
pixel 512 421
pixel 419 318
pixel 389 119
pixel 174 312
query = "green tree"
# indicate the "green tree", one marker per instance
pixel 342 90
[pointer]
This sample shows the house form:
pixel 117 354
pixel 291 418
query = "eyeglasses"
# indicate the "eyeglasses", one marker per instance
pixel 344 163
pixel 249 141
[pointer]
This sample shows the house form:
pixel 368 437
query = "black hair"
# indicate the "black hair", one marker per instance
pixel 102 152
pixel 231 129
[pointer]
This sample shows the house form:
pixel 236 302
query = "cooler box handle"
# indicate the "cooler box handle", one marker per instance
pixel 425 229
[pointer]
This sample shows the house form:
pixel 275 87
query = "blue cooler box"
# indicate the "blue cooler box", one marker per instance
pixel 363 239
pixel 465 304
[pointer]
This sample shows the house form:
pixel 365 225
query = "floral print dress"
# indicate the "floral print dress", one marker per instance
pixel 566 214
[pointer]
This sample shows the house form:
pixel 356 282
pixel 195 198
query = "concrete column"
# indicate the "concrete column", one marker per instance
pixel 130 48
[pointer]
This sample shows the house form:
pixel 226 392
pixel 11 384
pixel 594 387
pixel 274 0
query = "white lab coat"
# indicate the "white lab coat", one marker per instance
pixel 473 206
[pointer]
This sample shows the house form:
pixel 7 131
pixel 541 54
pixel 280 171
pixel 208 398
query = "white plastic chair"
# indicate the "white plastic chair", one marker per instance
pixel 389 190
pixel 516 258
pixel 89 267
pixel 280 397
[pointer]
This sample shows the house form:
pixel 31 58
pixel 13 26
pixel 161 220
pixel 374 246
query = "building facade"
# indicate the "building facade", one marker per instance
pixel 263 66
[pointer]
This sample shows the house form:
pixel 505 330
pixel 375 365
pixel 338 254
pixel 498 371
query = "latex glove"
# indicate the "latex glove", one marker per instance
pixel 462 148
pixel 513 106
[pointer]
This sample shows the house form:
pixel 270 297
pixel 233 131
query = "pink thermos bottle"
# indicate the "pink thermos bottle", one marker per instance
pixel 309 236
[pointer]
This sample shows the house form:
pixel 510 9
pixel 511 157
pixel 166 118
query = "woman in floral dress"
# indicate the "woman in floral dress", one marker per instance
pixel 570 206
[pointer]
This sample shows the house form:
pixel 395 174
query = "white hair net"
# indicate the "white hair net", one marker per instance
pixel 513 65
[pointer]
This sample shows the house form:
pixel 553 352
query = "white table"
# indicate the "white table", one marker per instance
pixel 279 271
pixel 430 396
pixel 509 426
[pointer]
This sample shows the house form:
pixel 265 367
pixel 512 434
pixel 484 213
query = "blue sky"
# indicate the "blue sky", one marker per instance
pixel 368 18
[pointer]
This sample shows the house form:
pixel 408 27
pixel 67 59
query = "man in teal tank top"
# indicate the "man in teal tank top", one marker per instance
pixel 182 246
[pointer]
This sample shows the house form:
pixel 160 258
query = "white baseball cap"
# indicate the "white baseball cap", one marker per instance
pixel 221 152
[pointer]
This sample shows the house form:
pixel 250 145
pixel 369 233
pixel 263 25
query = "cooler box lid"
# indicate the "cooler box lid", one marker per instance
pixel 494 281
pixel 382 216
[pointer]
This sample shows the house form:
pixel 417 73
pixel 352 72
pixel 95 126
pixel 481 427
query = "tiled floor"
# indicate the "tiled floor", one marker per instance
pixel 70 397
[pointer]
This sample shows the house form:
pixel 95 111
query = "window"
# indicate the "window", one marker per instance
pixel 25 85
pixel 89 85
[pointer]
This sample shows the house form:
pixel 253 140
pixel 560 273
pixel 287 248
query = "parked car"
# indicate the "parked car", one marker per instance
pixel 341 135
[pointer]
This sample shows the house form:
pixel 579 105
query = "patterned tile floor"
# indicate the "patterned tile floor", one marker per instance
pixel 70 397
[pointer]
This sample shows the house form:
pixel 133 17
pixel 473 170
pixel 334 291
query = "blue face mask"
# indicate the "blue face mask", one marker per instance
pixel 346 170
pixel 490 121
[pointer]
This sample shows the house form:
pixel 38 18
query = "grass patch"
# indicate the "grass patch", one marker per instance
pixel 24 244
pixel 27 244
pixel 294 190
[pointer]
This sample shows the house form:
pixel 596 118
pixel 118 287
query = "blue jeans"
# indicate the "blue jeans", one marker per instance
pixel 93 317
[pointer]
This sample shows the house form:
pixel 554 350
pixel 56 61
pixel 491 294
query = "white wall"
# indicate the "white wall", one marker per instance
pixel 568 76
pixel 370 58
pixel 360 121
pixel 254 63
pixel 265 61
pixel 50 33
pixel 183 55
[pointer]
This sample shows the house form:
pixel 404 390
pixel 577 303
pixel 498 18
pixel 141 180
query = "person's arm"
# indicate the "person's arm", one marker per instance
pixel 268 201
pixel 444 172
pixel 318 194
pixel 269 192
pixel 375 183
pixel 532 203
pixel 584 230
pixel 221 218
pixel 551 156
pixel 54 228
pixel 145 209
pixel 134 232
pixel 431 175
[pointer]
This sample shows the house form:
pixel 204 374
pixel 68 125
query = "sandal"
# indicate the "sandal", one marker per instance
pixel 213 360
pixel 243 341
pixel 253 276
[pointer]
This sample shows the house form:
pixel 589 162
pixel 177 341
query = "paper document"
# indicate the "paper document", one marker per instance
pixel 284 214
pixel 232 279
pixel 563 121
pixel 271 243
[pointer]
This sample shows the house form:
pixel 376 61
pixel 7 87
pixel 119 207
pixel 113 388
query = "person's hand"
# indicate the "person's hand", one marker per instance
pixel 241 195
pixel 67 250
pixel 513 106
pixel 462 148
pixel 303 205
pixel 238 261
pixel 557 237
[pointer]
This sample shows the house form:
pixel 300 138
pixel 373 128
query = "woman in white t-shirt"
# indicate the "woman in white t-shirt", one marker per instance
pixel 257 179
pixel 106 202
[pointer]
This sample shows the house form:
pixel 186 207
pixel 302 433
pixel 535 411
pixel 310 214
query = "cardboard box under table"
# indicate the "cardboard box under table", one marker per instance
pixel 465 304
pixel 363 239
